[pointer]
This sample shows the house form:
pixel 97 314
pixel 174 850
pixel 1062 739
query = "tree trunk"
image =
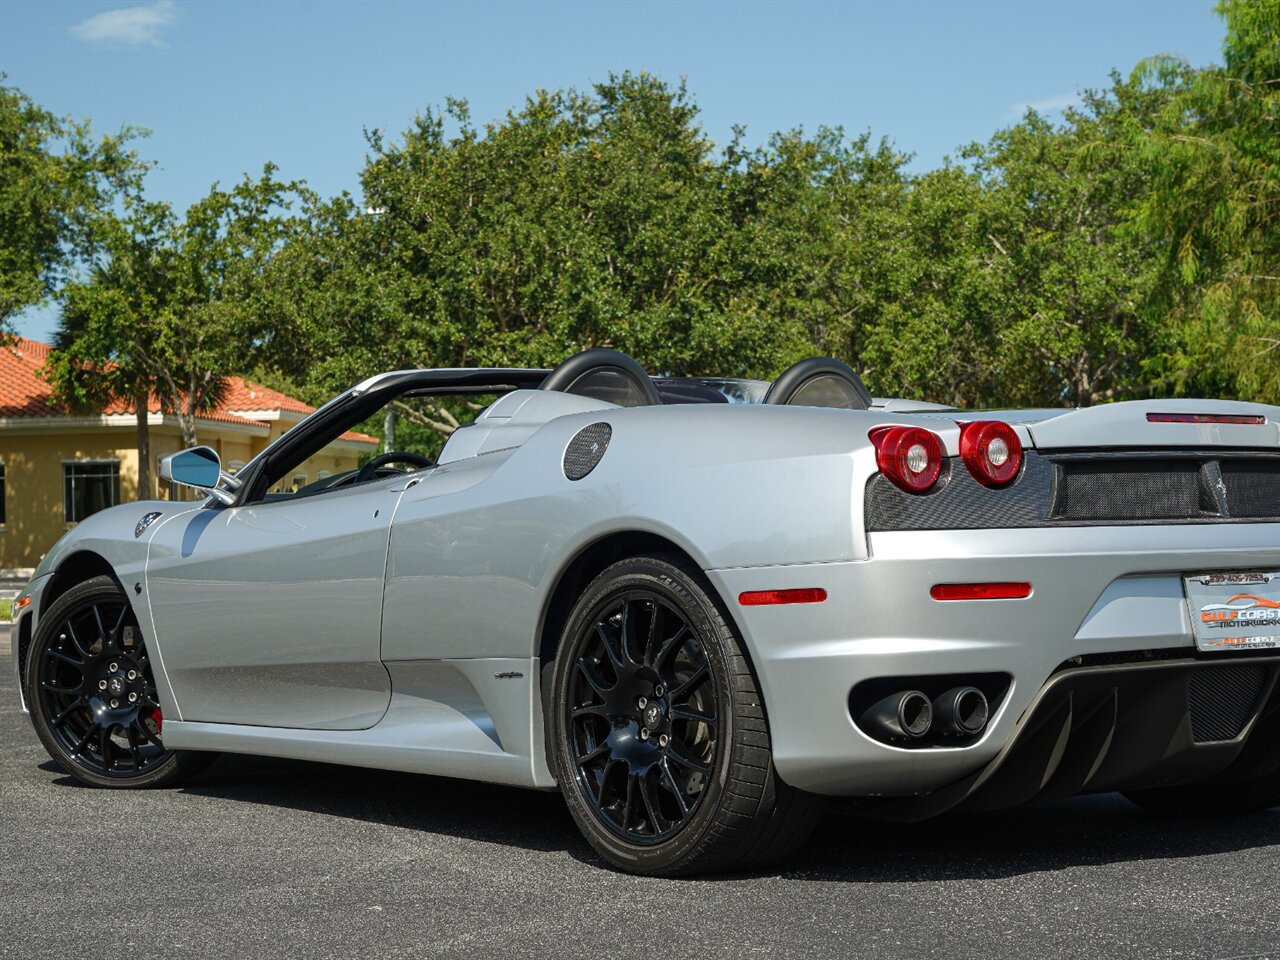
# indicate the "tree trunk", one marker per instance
pixel 140 407
pixel 389 430
pixel 187 424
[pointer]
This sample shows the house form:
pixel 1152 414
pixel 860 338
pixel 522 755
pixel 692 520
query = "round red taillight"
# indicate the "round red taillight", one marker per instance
pixel 911 457
pixel 991 450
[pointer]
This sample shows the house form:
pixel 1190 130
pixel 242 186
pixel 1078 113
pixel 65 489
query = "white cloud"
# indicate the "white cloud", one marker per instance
pixel 130 26
pixel 1054 104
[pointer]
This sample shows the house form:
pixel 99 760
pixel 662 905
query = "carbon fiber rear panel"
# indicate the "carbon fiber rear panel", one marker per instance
pixel 1087 489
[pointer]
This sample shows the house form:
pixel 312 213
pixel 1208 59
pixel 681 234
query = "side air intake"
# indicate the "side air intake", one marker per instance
pixel 586 449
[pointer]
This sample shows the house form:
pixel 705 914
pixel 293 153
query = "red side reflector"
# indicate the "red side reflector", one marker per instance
pixel 760 598
pixel 980 591
pixel 1246 419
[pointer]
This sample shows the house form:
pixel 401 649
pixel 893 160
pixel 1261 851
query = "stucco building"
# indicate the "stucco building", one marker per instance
pixel 57 468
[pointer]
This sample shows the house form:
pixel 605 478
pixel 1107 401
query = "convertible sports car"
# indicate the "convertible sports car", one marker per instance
pixel 696 606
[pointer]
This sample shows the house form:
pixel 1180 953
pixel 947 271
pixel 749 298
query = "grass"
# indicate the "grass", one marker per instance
pixel 6 609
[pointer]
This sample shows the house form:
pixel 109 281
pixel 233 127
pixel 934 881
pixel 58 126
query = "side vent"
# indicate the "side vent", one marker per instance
pixel 586 449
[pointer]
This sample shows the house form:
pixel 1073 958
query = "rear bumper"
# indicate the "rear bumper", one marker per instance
pixel 1096 591
pixel 1124 727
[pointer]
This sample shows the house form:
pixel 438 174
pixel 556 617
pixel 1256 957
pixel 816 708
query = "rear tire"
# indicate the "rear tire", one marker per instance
pixel 1211 799
pixel 92 694
pixel 658 732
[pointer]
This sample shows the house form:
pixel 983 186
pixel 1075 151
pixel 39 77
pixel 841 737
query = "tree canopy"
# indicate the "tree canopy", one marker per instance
pixel 1214 207
pixel 57 179
pixel 1130 248
pixel 180 305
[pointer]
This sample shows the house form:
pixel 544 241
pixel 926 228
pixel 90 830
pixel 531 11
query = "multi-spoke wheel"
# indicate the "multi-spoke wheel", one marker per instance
pixel 660 743
pixel 92 692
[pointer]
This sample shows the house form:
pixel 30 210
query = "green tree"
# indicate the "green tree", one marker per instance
pixel 812 228
pixel 1214 207
pixel 1018 278
pixel 97 358
pixel 56 180
pixel 180 305
pixel 580 220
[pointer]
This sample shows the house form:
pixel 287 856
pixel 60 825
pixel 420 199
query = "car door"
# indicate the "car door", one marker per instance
pixel 269 614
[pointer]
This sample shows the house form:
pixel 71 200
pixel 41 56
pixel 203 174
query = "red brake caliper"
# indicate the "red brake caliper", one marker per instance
pixel 158 719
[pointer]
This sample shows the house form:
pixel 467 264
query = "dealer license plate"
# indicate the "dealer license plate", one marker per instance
pixel 1234 611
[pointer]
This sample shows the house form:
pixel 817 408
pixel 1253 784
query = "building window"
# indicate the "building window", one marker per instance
pixel 2 491
pixel 89 486
pixel 299 481
pixel 235 467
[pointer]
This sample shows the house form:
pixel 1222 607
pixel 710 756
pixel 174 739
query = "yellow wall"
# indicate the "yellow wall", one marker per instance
pixel 33 488
pixel 34 516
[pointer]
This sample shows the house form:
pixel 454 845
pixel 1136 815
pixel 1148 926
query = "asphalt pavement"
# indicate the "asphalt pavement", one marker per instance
pixel 267 858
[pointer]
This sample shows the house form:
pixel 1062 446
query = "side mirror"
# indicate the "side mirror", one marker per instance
pixel 199 468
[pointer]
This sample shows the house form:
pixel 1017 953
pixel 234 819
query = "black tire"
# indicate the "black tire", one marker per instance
pixel 71 687
pixel 1211 799
pixel 686 783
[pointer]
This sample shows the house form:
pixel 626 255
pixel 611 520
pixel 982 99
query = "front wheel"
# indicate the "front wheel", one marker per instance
pixel 92 693
pixel 659 738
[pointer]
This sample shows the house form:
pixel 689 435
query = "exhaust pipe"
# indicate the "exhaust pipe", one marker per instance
pixel 900 716
pixel 962 711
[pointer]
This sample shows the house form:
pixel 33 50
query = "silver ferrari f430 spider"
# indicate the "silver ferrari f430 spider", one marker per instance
pixel 696 607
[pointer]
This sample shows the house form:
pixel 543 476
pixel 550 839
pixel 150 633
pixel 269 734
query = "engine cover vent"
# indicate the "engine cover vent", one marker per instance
pixel 1253 486
pixel 1129 490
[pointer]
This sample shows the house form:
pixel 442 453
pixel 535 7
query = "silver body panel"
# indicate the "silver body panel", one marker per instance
pixel 1097 590
pixel 397 624
pixel 270 613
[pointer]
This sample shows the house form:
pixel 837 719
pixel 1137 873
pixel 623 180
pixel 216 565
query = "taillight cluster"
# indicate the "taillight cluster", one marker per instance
pixel 911 457
pixel 991 450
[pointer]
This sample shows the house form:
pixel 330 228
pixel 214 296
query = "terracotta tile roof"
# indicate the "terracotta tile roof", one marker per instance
pixel 220 415
pixel 24 394
pixel 245 395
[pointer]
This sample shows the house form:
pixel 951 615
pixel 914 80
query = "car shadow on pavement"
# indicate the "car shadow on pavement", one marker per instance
pixel 532 819
pixel 1081 831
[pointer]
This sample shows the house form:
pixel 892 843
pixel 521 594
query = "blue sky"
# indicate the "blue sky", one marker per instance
pixel 225 86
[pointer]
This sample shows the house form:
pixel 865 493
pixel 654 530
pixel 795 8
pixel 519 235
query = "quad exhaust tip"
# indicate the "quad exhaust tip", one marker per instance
pixel 919 712
pixel 907 715
pixel 961 711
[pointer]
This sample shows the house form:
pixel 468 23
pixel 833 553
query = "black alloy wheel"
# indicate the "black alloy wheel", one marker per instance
pixel 658 735
pixel 642 716
pixel 92 692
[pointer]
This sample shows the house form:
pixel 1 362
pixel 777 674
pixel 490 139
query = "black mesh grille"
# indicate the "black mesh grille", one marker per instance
pixel 1126 656
pixel 585 450
pixel 1222 699
pixel 1129 489
pixel 24 643
pixel 1253 487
